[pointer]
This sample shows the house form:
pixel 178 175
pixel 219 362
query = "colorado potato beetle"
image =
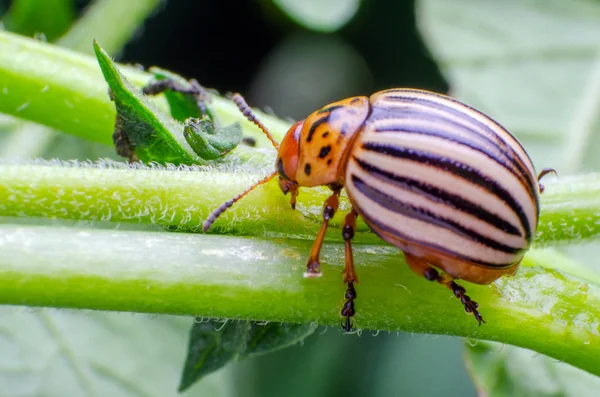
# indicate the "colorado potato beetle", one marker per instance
pixel 446 184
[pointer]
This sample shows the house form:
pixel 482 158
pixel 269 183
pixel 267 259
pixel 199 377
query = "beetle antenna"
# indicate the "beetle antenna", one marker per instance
pixel 223 207
pixel 249 114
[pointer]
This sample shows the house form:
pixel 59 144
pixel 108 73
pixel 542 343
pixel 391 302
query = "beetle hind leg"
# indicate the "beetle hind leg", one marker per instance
pixel 423 269
pixel 349 272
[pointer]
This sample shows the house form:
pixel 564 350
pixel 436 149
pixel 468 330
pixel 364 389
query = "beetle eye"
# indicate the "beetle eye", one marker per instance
pixel 281 170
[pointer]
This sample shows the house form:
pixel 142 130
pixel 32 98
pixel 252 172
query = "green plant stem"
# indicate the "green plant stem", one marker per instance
pixel 65 90
pixel 183 199
pixel 130 16
pixel 30 139
pixel 253 278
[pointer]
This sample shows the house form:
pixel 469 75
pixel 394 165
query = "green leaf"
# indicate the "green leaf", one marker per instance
pixel 501 370
pixel 148 133
pixel 324 16
pixel 211 142
pixel 48 17
pixel 56 353
pixel 270 337
pixel 212 345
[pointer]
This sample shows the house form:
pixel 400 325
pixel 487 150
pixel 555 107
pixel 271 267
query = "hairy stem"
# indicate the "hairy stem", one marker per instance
pixel 254 278
pixel 183 198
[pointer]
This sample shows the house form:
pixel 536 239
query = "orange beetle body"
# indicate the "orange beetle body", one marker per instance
pixel 441 181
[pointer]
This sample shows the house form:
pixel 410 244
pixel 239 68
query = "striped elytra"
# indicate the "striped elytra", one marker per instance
pixel 446 184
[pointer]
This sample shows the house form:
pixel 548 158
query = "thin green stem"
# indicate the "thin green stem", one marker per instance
pixel 183 199
pixel 65 90
pixel 30 139
pixel 254 278
pixel 92 25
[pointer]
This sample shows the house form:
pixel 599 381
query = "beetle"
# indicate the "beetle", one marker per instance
pixel 446 184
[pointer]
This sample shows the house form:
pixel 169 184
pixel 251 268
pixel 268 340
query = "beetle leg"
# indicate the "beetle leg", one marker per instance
pixel 544 172
pixel 423 269
pixel 349 272
pixel 313 266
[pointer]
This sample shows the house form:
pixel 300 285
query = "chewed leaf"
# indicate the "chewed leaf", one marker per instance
pixel 145 133
pixel 274 336
pixel 212 345
pixel 211 142
pixel 511 371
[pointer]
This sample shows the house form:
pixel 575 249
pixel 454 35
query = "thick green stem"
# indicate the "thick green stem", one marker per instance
pixel 237 277
pixel 183 199
pixel 65 90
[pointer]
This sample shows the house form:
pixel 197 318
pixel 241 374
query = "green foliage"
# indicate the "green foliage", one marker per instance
pixel 213 344
pixel 57 353
pixel 508 371
pixel 30 17
pixel 155 136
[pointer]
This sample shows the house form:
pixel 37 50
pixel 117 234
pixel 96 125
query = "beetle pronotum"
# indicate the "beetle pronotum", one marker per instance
pixel 441 181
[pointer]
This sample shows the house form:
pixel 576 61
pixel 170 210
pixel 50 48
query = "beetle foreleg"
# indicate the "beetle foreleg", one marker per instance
pixel 349 272
pixel 313 266
pixel 421 268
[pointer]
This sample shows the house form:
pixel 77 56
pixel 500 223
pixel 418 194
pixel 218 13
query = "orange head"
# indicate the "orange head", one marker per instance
pixel 312 152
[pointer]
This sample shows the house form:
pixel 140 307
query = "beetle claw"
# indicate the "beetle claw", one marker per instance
pixel 470 305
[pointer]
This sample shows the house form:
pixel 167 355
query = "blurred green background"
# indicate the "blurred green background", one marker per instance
pixel 526 62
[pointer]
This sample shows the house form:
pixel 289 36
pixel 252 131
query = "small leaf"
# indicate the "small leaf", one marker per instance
pixel 322 16
pixel 503 370
pixel 208 142
pixel 142 131
pixel 275 336
pixel 212 345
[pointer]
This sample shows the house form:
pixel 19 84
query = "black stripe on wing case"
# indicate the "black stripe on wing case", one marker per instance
pixel 381 228
pixel 440 107
pixel 438 195
pixel 427 216
pixel 442 132
pixel 381 113
pixel 458 169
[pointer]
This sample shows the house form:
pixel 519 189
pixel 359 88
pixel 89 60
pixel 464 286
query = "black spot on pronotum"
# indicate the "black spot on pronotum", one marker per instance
pixel 329 161
pixel 307 169
pixel 355 100
pixel 325 134
pixel 314 127
pixel 324 151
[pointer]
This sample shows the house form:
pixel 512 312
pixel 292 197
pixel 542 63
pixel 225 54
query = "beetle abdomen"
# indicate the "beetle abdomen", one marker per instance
pixel 430 174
